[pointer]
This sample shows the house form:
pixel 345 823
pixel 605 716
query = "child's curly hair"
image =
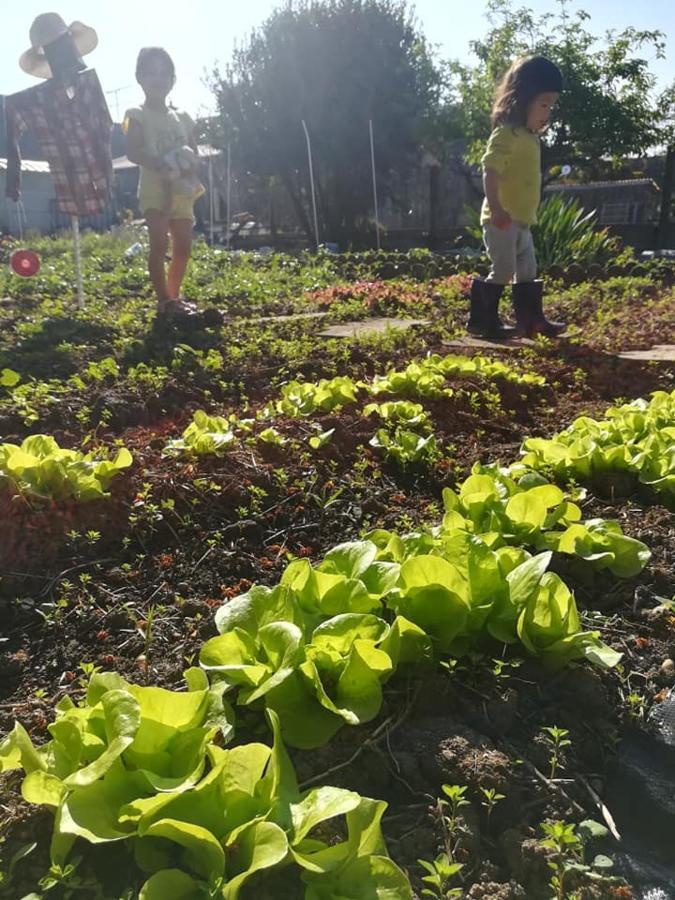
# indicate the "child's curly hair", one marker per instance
pixel 527 77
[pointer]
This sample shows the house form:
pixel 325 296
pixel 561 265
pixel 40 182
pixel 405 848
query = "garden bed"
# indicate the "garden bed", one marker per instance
pixel 131 583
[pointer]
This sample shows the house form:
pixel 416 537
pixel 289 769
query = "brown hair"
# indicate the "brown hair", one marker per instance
pixel 527 77
pixel 147 53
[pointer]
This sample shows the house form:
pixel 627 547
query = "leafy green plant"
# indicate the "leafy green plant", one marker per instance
pixel 567 844
pixel 318 647
pixel 313 648
pixel 520 508
pixel 565 233
pixel 416 380
pixel 441 871
pixel 558 739
pixel 405 447
pixel 40 468
pixel 272 436
pixel 304 398
pixel 399 412
pixel 637 439
pixel 204 435
pixel 491 797
pixel 143 765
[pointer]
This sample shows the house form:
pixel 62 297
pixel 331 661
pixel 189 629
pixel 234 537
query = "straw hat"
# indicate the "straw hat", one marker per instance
pixel 47 28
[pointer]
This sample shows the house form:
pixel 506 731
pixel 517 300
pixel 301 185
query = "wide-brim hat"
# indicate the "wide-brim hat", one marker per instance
pixel 47 28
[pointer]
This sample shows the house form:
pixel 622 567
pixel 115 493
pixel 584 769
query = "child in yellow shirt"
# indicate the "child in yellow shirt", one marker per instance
pixel 161 141
pixel 512 183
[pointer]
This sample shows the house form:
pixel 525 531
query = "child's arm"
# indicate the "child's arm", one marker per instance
pixel 498 215
pixel 136 152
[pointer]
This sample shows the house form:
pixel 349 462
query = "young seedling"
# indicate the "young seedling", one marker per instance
pixel 441 872
pixel 557 739
pixel 451 822
pixel 568 843
pixel 490 799
pixel 562 839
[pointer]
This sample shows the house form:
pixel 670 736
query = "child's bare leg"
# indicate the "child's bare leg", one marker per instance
pixel 181 248
pixel 158 232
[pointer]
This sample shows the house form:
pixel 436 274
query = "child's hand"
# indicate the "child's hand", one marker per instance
pixel 501 219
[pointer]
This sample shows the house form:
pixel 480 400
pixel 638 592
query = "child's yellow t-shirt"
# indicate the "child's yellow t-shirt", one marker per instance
pixel 163 131
pixel 514 153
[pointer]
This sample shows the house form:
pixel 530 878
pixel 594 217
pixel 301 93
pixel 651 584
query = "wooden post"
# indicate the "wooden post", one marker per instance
pixel 75 222
pixel 434 205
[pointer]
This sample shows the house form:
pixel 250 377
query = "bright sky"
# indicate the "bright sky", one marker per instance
pixel 201 32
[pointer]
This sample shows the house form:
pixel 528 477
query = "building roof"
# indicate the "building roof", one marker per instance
pixel 604 185
pixel 29 165
pixel 120 163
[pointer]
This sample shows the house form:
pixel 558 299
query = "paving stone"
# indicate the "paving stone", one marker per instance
pixel 290 318
pixel 478 343
pixel 659 353
pixel 369 326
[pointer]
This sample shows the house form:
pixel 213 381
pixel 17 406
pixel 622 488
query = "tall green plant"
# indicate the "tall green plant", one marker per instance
pixel 565 233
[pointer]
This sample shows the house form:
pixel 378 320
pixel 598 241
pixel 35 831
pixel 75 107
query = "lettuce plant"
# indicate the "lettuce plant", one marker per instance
pixel 39 467
pixel 123 744
pixel 318 647
pixel 637 438
pixel 143 765
pixel 416 380
pixel 521 508
pixel 204 435
pixel 304 398
pixel 405 447
pixel 313 648
pixel 400 412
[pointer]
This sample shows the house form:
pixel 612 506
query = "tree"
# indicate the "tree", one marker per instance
pixel 608 109
pixel 334 64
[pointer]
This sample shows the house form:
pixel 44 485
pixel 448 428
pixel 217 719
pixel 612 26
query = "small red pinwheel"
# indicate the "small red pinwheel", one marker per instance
pixel 25 263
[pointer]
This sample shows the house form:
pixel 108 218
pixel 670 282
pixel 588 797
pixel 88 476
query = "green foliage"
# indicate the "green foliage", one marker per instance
pixel 143 765
pixel 40 468
pixel 558 739
pixel 204 435
pixel 637 439
pixel 565 233
pixel 427 377
pixel 405 447
pixel 440 873
pixel 567 844
pixel 373 64
pixel 318 647
pixel 607 110
pixel 9 378
pixel 399 412
pixel 516 507
pixel 304 398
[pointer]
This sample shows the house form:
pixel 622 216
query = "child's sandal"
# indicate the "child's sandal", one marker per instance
pixel 171 308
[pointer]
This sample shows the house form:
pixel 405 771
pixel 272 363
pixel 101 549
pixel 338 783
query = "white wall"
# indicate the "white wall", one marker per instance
pixel 37 194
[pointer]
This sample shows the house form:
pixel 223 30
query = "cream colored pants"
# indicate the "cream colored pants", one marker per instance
pixel 511 253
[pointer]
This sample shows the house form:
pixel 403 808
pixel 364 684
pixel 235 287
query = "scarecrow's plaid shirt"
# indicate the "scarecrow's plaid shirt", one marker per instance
pixel 74 135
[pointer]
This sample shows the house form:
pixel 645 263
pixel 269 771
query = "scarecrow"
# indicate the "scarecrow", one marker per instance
pixel 69 117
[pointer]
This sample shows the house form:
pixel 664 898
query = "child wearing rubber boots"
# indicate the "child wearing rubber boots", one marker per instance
pixel 512 184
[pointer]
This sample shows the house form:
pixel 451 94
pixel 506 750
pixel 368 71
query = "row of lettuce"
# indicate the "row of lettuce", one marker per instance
pixel 636 440
pixel 39 467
